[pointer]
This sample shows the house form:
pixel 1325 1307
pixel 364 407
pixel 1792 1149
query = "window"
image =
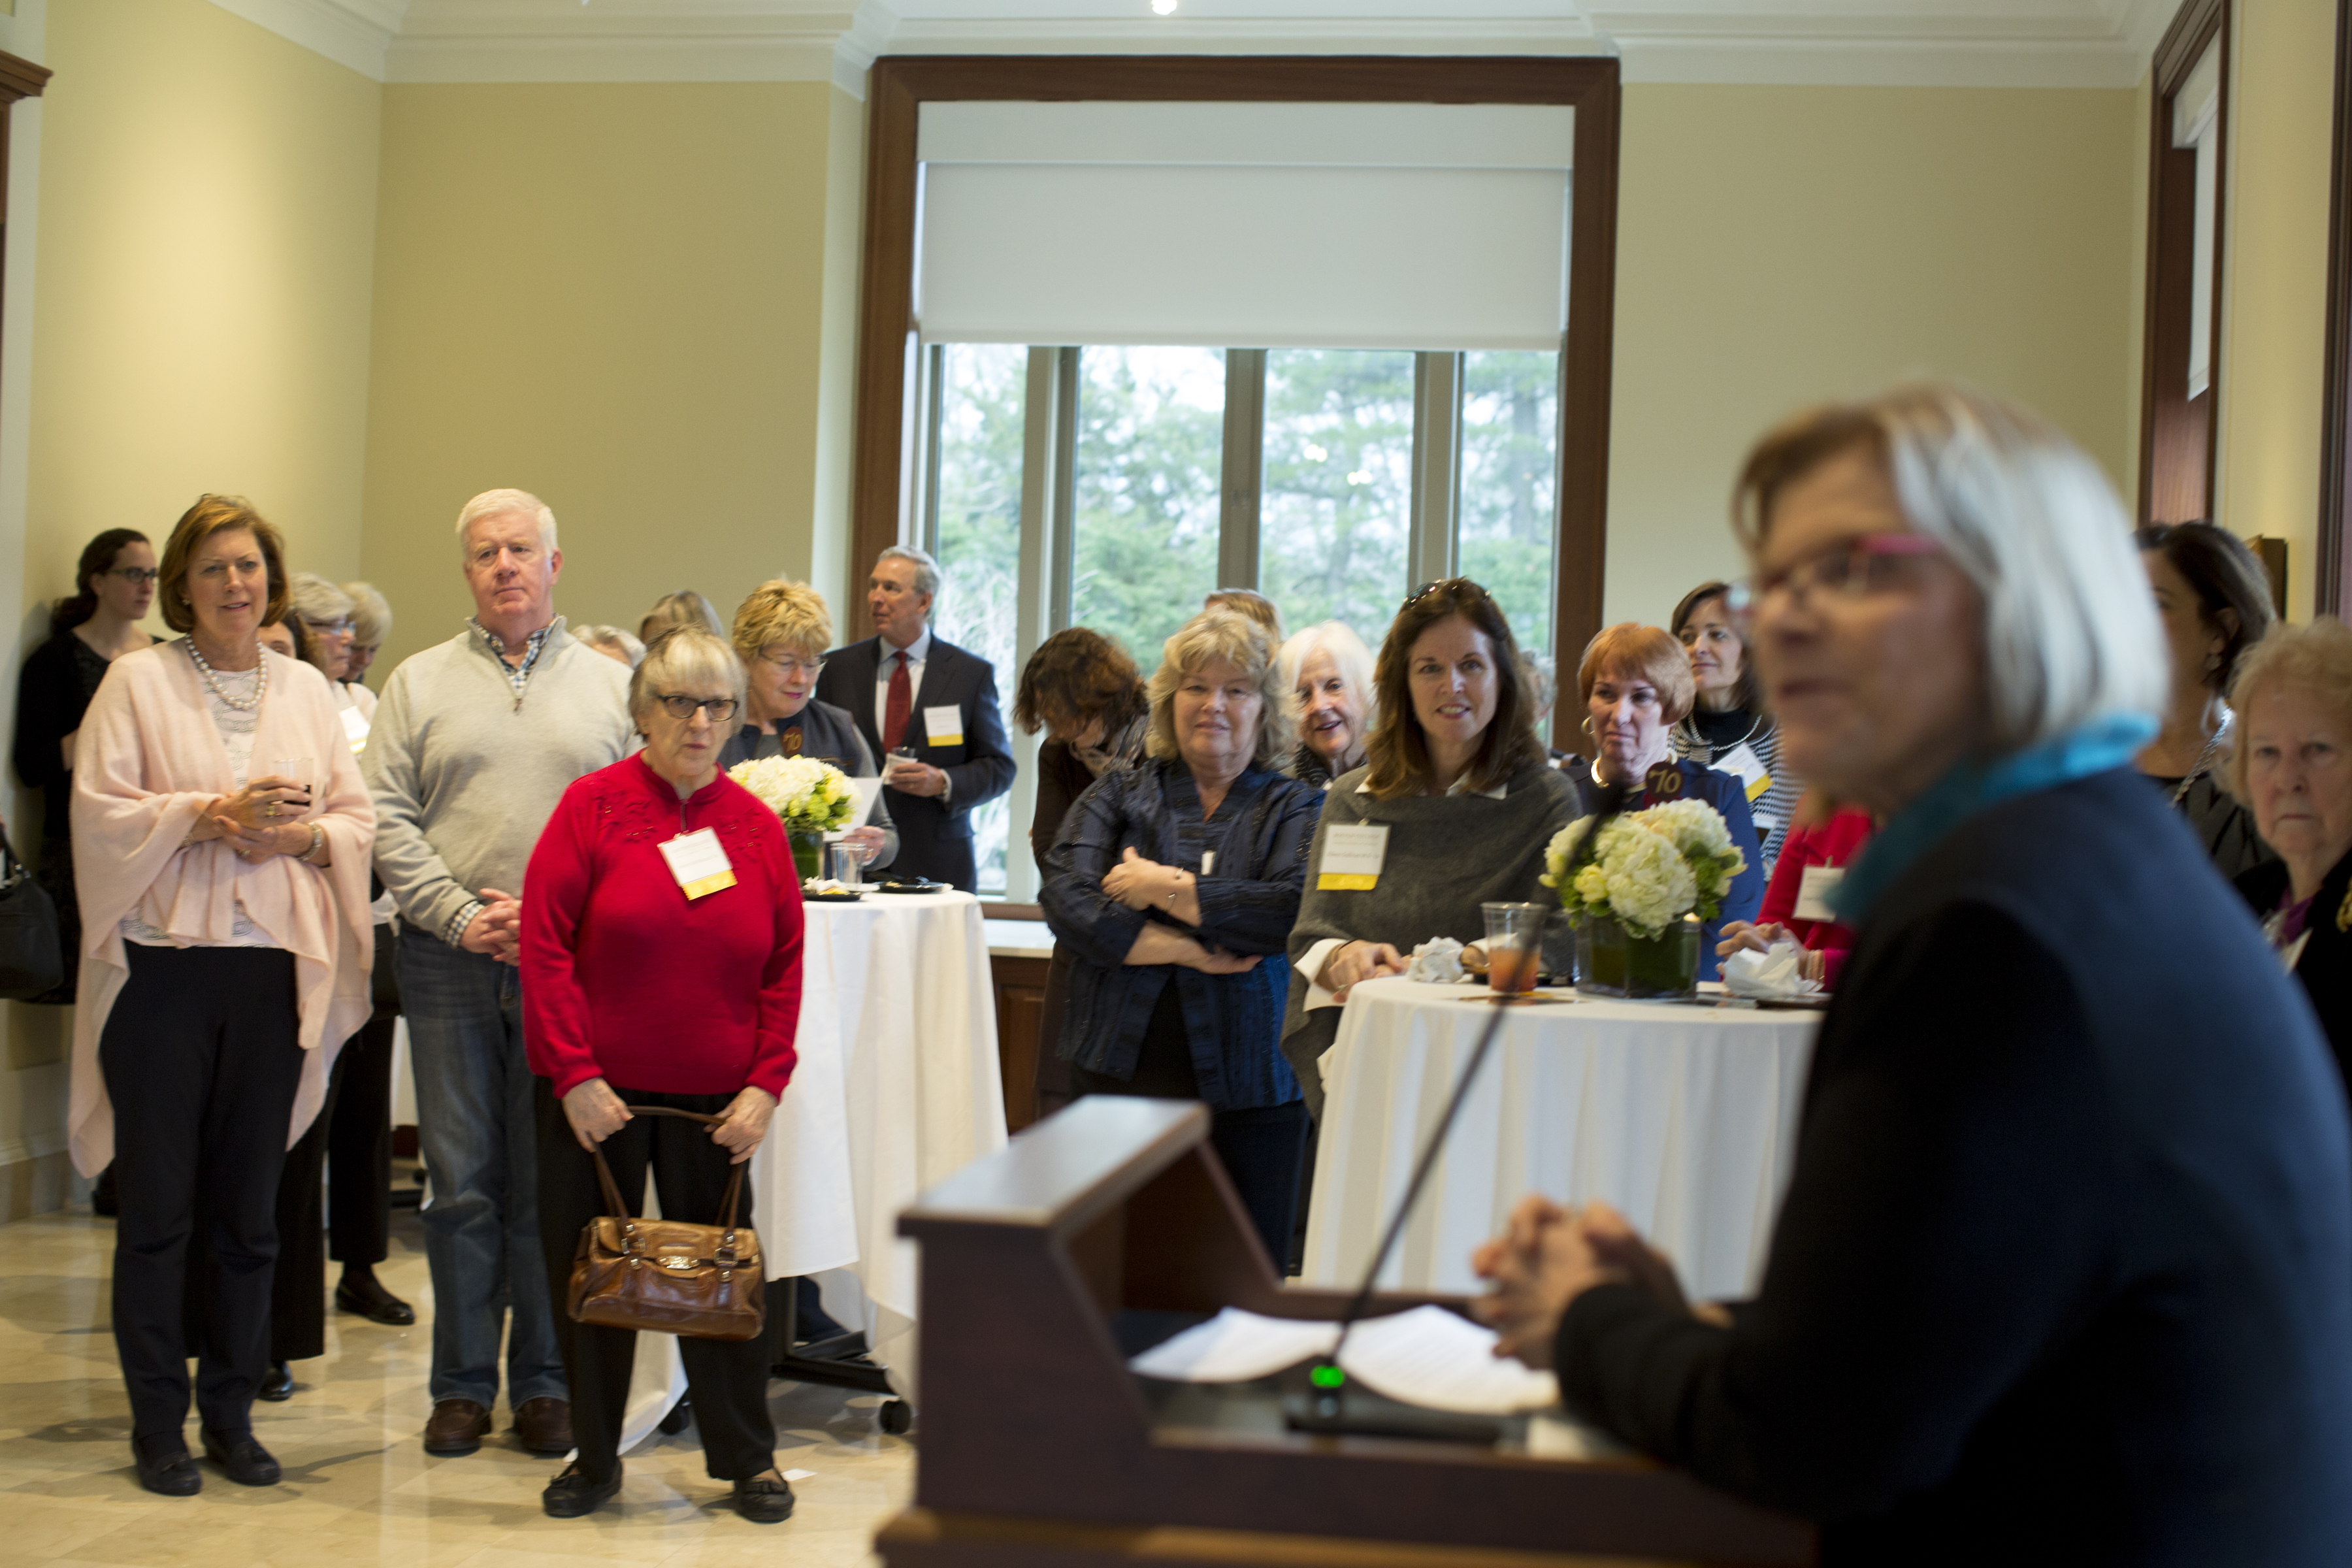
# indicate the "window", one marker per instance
pixel 1335 509
pixel 1510 454
pixel 1147 472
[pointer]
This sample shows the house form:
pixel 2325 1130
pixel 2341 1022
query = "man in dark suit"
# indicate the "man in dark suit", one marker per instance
pixel 910 692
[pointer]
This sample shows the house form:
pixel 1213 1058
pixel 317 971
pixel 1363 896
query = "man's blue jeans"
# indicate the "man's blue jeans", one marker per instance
pixel 477 1131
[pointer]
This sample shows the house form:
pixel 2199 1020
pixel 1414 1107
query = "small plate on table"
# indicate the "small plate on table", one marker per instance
pixel 910 885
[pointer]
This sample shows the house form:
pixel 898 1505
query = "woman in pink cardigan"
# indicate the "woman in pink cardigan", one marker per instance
pixel 221 845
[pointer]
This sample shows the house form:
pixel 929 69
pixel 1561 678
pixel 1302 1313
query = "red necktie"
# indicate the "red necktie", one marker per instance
pixel 901 703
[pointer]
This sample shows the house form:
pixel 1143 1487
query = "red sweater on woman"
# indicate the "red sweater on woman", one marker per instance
pixel 626 980
pixel 1833 843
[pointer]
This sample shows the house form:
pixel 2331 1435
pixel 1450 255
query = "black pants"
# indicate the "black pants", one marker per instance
pixel 359 1138
pixel 1260 1148
pixel 202 1062
pixel 728 1380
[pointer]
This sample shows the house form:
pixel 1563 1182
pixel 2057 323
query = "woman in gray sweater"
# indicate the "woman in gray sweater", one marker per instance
pixel 1467 796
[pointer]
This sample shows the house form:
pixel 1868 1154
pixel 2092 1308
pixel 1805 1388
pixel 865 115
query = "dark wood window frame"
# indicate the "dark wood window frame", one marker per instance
pixel 899 85
pixel 2332 580
pixel 2177 433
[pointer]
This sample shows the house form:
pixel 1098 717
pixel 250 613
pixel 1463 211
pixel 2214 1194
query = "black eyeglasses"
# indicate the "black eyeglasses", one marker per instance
pixel 1459 585
pixel 680 706
pixel 133 574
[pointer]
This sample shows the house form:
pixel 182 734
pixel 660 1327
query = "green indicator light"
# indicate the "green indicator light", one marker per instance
pixel 1326 1377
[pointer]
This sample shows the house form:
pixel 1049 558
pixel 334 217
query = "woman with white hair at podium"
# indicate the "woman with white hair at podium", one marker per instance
pixel 2063 1271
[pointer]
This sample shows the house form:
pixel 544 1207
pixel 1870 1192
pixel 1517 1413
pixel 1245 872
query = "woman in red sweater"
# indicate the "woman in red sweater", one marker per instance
pixel 1823 838
pixel 661 964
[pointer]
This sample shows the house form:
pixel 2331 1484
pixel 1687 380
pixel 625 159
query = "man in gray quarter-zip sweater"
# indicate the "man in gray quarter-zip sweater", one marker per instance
pixel 473 745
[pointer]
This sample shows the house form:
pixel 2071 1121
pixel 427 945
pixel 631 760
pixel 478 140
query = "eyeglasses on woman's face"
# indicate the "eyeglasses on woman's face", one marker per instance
pixel 137 576
pixel 330 628
pixel 682 707
pixel 1851 568
pixel 793 664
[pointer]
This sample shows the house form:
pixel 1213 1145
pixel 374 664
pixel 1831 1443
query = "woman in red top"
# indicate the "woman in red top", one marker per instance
pixel 1823 838
pixel 644 984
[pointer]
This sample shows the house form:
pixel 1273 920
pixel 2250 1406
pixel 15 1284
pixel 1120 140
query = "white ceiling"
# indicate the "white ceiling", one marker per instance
pixel 2025 43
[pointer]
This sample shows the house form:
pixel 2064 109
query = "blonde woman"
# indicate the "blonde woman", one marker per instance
pixel 224 959
pixel 781 634
pixel 1173 884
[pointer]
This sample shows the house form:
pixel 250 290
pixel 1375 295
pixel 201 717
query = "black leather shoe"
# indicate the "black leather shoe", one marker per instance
pixel 763 1501
pixel 371 1301
pixel 572 1494
pixel 276 1384
pixel 164 1467
pixel 247 1463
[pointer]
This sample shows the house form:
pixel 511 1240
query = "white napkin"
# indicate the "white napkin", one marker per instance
pixel 1437 961
pixel 1772 974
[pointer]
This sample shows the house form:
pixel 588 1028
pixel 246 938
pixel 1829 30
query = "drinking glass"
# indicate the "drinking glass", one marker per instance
pixel 1514 946
pixel 849 863
pixel 300 772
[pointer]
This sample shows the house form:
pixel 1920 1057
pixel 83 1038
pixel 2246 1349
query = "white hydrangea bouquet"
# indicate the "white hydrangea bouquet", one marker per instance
pixel 1648 868
pixel 808 796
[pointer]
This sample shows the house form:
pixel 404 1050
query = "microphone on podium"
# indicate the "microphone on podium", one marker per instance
pixel 1324 1410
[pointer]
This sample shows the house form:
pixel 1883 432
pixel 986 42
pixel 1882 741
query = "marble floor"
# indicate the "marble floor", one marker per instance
pixel 358 1489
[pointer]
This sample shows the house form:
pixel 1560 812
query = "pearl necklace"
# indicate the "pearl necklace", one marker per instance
pixel 242 704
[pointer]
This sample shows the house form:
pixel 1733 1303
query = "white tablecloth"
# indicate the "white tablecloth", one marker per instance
pixel 896 1087
pixel 1684 1118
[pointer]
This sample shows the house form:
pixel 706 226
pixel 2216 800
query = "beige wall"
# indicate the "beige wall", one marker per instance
pixel 2274 276
pixel 205 238
pixel 614 296
pixel 1778 246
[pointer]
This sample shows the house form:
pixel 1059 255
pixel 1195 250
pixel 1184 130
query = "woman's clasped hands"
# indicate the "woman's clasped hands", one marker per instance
pixel 1549 1255
pixel 262 818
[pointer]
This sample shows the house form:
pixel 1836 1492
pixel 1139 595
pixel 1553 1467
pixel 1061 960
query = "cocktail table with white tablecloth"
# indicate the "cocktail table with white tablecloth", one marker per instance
pixel 1684 1117
pixel 896 1087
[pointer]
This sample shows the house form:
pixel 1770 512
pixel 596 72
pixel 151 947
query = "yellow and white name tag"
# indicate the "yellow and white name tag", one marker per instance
pixel 943 726
pixel 1742 763
pixel 700 863
pixel 1352 857
pixel 355 729
pixel 1813 893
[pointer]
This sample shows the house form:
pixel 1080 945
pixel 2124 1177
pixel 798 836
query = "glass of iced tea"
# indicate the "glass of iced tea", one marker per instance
pixel 1514 946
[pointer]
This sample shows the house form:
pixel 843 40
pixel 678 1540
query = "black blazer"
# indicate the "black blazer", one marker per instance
pixel 2325 967
pixel 934 840
pixel 2064 1273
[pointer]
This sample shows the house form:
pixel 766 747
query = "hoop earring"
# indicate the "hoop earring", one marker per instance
pixel 1587 725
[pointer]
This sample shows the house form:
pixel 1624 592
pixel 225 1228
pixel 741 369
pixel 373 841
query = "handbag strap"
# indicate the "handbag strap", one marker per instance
pixel 620 1210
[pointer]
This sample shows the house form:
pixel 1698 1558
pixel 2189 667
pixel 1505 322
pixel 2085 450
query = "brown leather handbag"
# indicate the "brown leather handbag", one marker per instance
pixel 665 1275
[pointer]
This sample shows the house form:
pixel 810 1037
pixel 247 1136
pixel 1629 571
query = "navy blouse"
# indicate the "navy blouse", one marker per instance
pixel 1249 899
pixel 1726 794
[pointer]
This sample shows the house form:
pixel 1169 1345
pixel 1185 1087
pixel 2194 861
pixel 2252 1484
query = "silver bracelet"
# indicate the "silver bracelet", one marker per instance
pixel 318 841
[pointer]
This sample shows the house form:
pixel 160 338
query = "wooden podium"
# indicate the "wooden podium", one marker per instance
pixel 1038 1447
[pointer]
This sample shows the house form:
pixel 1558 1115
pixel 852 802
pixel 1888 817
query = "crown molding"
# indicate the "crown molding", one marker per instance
pixel 351 33
pixel 2094 43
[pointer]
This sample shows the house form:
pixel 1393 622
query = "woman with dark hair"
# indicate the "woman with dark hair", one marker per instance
pixel 1083 690
pixel 2214 600
pixel 1728 728
pixel 1467 796
pixel 113 587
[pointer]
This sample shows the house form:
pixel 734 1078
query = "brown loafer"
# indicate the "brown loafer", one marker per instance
pixel 543 1425
pixel 457 1426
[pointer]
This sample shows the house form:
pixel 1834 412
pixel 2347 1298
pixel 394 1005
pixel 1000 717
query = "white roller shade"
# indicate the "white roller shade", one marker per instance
pixel 1356 226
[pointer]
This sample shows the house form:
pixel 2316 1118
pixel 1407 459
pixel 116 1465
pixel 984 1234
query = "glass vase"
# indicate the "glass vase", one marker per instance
pixel 1612 961
pixel 808 855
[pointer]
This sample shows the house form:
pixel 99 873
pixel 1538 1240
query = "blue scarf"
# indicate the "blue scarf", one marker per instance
pixel 2106 743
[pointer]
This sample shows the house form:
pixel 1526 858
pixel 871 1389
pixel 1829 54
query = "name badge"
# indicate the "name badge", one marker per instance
pixel 355 729
pixel 1742 763
pixel 1813 893
pixel 698 863
pixel 943 726
pixel 1208 862
pixel 1352 857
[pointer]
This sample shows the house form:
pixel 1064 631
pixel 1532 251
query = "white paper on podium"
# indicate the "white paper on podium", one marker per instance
pixel 1427 1356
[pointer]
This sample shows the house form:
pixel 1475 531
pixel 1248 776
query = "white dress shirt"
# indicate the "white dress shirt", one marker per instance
pixel 918 653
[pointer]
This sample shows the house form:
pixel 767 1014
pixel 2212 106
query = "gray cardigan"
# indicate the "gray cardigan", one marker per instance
pixel 464 772
pixel 1446 856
